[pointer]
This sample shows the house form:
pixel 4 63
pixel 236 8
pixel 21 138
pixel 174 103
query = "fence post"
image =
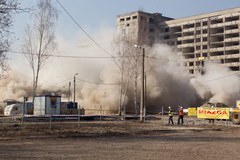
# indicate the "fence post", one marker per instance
pixel 79 115
pixel 162 115
pixel 23 109
pixel 144 112
pixel 124 110
pixel 50 117
pixel 100 115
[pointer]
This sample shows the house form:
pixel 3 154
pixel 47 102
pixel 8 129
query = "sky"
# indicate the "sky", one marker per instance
pixel 92 14
pixel 98 18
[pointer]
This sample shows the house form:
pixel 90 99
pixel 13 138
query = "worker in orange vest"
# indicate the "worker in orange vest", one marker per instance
pixel 180 115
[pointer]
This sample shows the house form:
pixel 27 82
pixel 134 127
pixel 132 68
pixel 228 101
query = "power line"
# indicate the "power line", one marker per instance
pixel 214 79
pixel 222 77
pixel 98 83
pixel 88 35
pixel 85 32
pixel 50 86
pixel 62 56
pixel 164 59
pixel 74 57
pixel 94 88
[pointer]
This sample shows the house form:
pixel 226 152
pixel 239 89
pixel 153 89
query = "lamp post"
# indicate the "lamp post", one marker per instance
pixel 142 104
pixel 74 89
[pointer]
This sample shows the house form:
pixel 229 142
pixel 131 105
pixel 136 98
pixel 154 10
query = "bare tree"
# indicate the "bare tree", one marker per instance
pixel 121 51
pixel 128 63
pixel 39 43
pixel 7 9
pixel 130 58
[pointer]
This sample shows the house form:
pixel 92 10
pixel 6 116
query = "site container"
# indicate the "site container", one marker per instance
pixel 47 105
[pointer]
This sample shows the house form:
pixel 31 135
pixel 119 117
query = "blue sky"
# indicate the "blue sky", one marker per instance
pixel 92 14
pixel 98 18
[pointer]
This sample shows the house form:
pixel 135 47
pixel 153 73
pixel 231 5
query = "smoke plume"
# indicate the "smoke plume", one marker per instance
pixel 168 83
pixel 15 86
pixel 98 79
pixel 219 84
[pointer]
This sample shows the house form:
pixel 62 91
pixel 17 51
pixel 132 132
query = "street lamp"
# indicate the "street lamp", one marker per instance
pixel 142 104
pixel 74 89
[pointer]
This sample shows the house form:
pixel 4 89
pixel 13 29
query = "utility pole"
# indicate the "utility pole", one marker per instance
pixel 74 89
pixel 145 98
pixel 121 92
pixel 24 109
pixel 135 87
pixel 142 104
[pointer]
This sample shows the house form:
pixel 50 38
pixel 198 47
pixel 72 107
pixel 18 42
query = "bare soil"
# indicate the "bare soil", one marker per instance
pixel 118 140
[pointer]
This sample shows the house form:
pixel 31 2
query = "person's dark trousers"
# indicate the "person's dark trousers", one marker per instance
pixel 170 119
pixel 180 118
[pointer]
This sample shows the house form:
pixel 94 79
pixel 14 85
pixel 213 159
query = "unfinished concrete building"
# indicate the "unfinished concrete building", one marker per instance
pixel 140 27
pixel 211 36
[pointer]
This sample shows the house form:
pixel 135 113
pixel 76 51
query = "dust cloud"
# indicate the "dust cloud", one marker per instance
pixel 168 83
pixel 15 86
pixel 219 84
pixel 98 79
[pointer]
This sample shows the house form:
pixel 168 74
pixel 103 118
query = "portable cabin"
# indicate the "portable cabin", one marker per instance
pixel 47 105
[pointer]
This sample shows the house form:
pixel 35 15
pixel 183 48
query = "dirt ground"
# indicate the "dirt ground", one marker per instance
pixel 128 140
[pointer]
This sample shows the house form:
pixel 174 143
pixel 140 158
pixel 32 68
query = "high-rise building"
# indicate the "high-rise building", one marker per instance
pixel 140 27
pixel 211 36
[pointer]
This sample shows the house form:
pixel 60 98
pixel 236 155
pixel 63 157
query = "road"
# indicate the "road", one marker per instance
pixel 119 140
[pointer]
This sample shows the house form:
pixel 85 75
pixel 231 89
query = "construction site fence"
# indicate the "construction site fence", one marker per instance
pixel 78 116
pixel 53 116
pixel 194 121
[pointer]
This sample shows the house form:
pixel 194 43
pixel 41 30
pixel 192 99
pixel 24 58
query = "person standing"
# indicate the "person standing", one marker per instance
pixel 180 115
pixel 170 115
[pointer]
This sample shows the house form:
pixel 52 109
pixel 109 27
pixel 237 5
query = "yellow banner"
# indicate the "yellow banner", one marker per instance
pixel 192 112
pixel 213 113
pixel 235 110
pixel 238 103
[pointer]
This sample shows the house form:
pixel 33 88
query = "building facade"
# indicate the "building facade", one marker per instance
pixel 212 36
pixel 140 27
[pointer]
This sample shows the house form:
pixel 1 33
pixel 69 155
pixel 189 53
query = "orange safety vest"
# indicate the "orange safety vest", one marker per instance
pixel 181 112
